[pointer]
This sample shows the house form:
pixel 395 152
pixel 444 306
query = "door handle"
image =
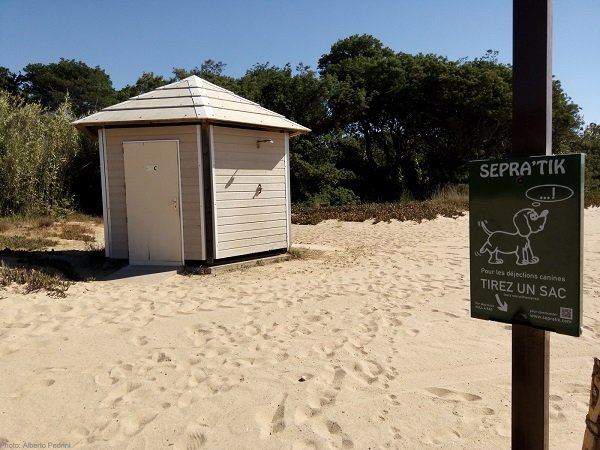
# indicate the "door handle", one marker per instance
pixel 174 203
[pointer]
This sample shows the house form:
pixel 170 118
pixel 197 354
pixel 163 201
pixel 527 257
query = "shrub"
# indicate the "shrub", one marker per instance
pixel 336 196
pixel 36 150
pixel 34 280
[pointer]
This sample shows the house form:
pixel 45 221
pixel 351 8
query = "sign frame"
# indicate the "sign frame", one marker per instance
pixel 526 241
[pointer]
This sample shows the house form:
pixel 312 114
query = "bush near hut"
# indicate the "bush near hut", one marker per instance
pixel 37 148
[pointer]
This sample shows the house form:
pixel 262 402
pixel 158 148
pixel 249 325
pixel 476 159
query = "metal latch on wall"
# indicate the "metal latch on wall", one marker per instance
pixel 258 190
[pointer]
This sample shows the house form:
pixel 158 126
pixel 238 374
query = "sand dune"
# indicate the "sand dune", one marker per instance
pixel 367 344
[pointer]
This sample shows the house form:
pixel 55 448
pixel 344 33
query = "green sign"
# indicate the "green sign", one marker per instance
pixel 526 241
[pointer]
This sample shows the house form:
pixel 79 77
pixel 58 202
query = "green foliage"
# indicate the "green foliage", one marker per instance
pixel 145 83
pixel 9 82
pixel 386 125
pixel 420 117
pixel 89 88
pixel 566 120
pixel 336 196
pixel 211 71
pixel 36 150
pixel 84 177
pixel 589 143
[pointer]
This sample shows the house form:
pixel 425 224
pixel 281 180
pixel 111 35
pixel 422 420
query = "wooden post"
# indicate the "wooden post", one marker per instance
pixel 532 135
pixel 530 388
pixel 591 438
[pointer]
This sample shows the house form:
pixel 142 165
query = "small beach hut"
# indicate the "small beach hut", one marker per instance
pixel 193 172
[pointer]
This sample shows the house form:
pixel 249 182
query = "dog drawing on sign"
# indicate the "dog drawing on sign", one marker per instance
pixel 527 222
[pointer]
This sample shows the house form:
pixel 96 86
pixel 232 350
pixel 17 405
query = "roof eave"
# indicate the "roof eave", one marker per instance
pixel 90 128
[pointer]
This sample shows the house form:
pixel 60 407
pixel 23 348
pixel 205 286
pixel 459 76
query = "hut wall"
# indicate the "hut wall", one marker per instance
pixel 249 218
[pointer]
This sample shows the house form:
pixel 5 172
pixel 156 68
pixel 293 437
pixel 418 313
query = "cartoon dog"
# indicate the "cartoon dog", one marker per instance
pixel 527 222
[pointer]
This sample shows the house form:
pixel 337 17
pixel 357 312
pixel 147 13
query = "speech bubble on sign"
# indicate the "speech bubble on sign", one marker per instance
pixel 549 193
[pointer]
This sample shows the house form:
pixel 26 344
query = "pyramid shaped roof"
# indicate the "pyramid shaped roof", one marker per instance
pixel 190 100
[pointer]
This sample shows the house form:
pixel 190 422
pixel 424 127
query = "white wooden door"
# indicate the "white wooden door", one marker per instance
pixel 154 225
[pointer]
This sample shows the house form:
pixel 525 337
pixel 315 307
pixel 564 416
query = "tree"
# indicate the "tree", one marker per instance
pixel 566 120
pixel 300 95
pixel 145 83
pixel 362 72
pixel 9 82
pixel 90 89
pixel 589 143
pixel 421 118
pixel 211 71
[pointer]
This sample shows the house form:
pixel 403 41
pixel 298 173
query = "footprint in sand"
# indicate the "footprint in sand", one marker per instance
pixel 366 371
pixel 333 376
pixel 331 432
pixel 138 443
pixel 139 340
pixel 447 394
pixel 116 395
pixel 192 438
pixel 187 398
pixel 32 387
pixel 304 444
pixel 134 423
pixel 271 419
pixel 443 436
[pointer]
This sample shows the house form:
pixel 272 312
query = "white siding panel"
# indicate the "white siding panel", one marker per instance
pixel 255 210
pixel 267 234
pixel 251 203
pixel 251 226
pixel 248 187
pixel 273 241
pixel 224 221
pixel 238 251
pixel 225 182
pixel 240 171
pixel 249 221
pixel 249 195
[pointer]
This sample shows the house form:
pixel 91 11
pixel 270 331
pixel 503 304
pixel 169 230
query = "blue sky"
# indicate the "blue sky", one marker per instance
pixel 129 37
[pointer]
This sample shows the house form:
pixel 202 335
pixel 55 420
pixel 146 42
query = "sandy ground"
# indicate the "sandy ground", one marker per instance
pixel 367 345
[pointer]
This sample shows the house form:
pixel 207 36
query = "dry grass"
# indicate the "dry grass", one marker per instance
pixel 592 199
pixel 451 201
pixel 75 232
pixel 19 242
pixel 38 233
pixel 45 221
pixel 380 212
pixel 34 280
pixel 303 253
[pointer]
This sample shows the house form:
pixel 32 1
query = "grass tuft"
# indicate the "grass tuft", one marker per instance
pixel 592 199
pixel 45 222
pixel 34 280
pixel 302 253
pixel 75 232
pixel 18 242
pixel 380 212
